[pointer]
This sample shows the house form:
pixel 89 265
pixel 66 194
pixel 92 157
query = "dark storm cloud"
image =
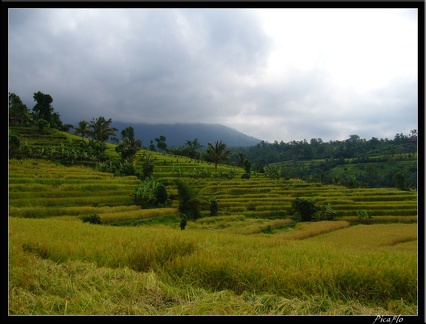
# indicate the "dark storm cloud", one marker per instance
pixel 143 61
pixel 204 65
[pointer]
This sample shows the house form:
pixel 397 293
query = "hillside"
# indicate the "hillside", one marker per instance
pixel 253 258
pixel 262 195
pixel 177 134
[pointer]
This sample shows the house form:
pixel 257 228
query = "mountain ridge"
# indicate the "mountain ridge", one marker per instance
pixel 178 133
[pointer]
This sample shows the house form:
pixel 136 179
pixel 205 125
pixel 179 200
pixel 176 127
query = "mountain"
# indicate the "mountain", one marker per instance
pixel 177 134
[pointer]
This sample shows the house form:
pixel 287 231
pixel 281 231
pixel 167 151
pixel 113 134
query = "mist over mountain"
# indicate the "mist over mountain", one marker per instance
pixel 177 134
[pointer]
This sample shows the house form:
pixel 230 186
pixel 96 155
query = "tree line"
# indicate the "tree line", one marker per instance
pixel 352 148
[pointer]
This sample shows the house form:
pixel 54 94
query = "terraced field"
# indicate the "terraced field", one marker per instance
pixel 250 259
pixel 39 189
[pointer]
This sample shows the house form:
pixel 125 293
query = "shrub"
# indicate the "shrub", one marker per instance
pixel 160 194
pixel 13 144
pixel 305 207
pixel 214 207
pixel 92 219
pixel 364 216
pixel 42 124
pixel 150 193
pixel 126 168
pixel 245 176
pixel 183 222
pixel 251 207
pixel 326 212
pixel 401 182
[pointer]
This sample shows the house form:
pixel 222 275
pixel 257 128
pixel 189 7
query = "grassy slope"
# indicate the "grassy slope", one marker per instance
pixel 77 268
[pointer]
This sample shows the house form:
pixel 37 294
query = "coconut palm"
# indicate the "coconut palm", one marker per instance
pixel 100 129
pixel 217 153
pixel 82 129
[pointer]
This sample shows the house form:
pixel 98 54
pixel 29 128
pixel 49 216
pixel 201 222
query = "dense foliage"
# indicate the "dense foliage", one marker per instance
pixel 354 162
pixel 189 204
pixel 352 148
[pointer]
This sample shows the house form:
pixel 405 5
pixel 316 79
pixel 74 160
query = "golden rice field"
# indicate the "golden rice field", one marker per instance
pixel 251 259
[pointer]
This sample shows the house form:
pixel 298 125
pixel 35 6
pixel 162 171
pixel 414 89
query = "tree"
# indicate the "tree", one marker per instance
pixel 147 164
pixel 161 195
pixel 192 148
pixel 217 153
pixel 82 129
pixel 152 146
pixel 214 207
pixel 258 167
pixel 247 166
pixel 43 106
pixel 305 207
pixel 67 127
pixel 14 144
pixel 18 112
pixel 241 158
pixel 100 129
pixel 129 146
pixel 55 121
pixel 401 182
pixel 413 133
pixel 189 204
pixel 42 124
pixel 161 143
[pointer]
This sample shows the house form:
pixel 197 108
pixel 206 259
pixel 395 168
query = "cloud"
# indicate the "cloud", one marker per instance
pixel 285 74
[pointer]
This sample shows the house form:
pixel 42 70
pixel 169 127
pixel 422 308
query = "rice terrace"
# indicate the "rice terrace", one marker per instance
pixel 167 234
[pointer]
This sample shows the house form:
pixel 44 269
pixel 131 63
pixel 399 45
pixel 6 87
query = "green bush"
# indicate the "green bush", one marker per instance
pixel 245 176
pixel 188 203
pixel 305 207
pixel 92 219
pixel 326 212
pixel 251 207
pixel 363 216
pixel 150 193
pixel 214 207
pixel 183 222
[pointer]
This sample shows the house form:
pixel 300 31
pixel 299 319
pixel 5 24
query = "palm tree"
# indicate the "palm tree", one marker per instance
pixel 100 129
pixel 217 153
pixel 82 129
pixel 241 158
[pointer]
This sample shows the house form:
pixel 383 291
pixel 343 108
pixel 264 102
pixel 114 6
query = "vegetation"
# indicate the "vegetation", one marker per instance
pixel 150 193
pixel 81 269
pixel 327 213
pixel 155 233
pixel 189 204
pixel 100 130
pixel 354 162
pixel 191 149
pixel 217 153
pixel 305 207
pixel 92 219
pixel 129 146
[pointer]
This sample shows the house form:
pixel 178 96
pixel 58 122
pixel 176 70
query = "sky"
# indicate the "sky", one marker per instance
pixel 277 74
